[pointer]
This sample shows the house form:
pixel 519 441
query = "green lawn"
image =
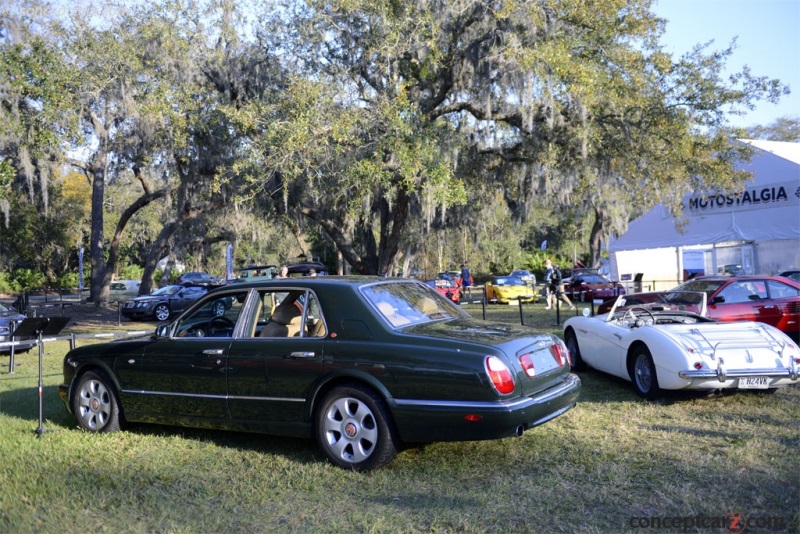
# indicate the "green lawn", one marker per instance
pixel 613 464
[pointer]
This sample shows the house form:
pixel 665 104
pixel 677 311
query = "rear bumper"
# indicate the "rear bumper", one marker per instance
pixel 721 374
pixel 422 421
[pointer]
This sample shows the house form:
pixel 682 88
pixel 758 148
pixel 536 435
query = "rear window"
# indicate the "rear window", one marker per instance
pixel 779 290
pixel 405 303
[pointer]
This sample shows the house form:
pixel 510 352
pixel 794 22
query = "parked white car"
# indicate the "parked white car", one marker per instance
pixel 672 346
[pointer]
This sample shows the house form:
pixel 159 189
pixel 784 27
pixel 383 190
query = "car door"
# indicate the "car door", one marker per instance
pixel 775 308
pixel 603 346
pixel 270 375
pixel 185 374
pixel 185 298
pixel 734 302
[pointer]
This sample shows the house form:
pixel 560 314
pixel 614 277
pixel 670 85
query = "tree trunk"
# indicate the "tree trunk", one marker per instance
pixel 595 239
pixel 98 290
pixel 157 250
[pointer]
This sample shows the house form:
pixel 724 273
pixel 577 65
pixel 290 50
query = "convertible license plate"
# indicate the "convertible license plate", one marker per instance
pixel 754 382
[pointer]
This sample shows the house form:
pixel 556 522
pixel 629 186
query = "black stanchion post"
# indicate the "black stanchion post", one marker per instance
pixel 521 318
pixel 119 314
pixel 13 327
pixel 38 327
pixel 558 309
pixel 483 303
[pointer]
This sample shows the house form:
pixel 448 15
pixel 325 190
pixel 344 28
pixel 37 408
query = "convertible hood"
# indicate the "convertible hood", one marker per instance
pixel 476 331
pixel 148 298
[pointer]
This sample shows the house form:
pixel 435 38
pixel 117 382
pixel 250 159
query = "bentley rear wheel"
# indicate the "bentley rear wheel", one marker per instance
pixel 353 429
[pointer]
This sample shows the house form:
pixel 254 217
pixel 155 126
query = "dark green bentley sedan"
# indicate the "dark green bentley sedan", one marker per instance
pixel 364 365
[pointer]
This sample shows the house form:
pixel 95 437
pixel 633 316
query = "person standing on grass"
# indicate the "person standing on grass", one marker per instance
pixel 557 288
pixel 466 278
pixel 554 287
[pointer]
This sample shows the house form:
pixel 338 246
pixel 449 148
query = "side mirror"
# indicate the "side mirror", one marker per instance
pixel 162 330
pixel 717 300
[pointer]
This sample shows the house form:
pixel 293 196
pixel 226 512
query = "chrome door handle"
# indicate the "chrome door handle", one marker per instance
pixel 214 352
pixel 302 354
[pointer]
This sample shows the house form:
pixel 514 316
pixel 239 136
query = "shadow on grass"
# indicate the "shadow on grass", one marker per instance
pixel 23 403
pixel 300 450
pixel 598 387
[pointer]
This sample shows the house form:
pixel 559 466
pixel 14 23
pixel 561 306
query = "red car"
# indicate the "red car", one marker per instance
pixel 588 284
pixel 448 288
pixel 773 300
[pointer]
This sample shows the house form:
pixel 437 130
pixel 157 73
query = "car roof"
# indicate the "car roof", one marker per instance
pixel 352 280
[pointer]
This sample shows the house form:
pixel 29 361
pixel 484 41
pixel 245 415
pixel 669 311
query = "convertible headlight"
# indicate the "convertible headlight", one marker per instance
pixel 4 330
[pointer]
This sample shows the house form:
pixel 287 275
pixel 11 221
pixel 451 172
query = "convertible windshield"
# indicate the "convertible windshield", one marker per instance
pixel 167 290
pixel 684 301
pixel 404 303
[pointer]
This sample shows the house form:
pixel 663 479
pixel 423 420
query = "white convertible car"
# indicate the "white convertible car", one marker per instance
pixel 670 346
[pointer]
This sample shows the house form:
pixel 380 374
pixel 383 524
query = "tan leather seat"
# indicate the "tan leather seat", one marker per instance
pixel 284 322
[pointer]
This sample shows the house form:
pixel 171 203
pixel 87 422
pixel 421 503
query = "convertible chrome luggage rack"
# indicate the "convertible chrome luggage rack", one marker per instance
pixel 768 342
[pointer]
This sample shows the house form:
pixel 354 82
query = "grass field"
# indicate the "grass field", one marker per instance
pixel 613 464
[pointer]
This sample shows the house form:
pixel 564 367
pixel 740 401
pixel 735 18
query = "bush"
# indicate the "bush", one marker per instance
pixel 68 281
pixel 131 272
pixel 26 280
pixel 7 286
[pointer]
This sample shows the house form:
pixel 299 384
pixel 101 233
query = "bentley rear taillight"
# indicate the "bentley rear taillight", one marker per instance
pixel 559 353
pixel 527 364
pixel 499 374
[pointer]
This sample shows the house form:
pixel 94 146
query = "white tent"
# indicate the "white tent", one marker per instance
pixel 757 231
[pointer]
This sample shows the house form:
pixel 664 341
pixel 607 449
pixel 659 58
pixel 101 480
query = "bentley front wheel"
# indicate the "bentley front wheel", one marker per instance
pixel 95 403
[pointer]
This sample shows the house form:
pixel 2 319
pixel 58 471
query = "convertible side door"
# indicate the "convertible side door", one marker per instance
pixel 603 346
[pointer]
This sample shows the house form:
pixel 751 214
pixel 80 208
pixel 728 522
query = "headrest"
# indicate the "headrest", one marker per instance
pixel 284 314
pixel 428 306
pixel 385 308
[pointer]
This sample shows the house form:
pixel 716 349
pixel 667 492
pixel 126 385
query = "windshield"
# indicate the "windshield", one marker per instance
pixel 683 301
pixel 593 279
pixel 405 303
pixel 167 290
pixel 706 286
pixel 508 281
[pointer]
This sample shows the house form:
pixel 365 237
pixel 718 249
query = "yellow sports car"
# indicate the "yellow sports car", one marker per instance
pixel 509 289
